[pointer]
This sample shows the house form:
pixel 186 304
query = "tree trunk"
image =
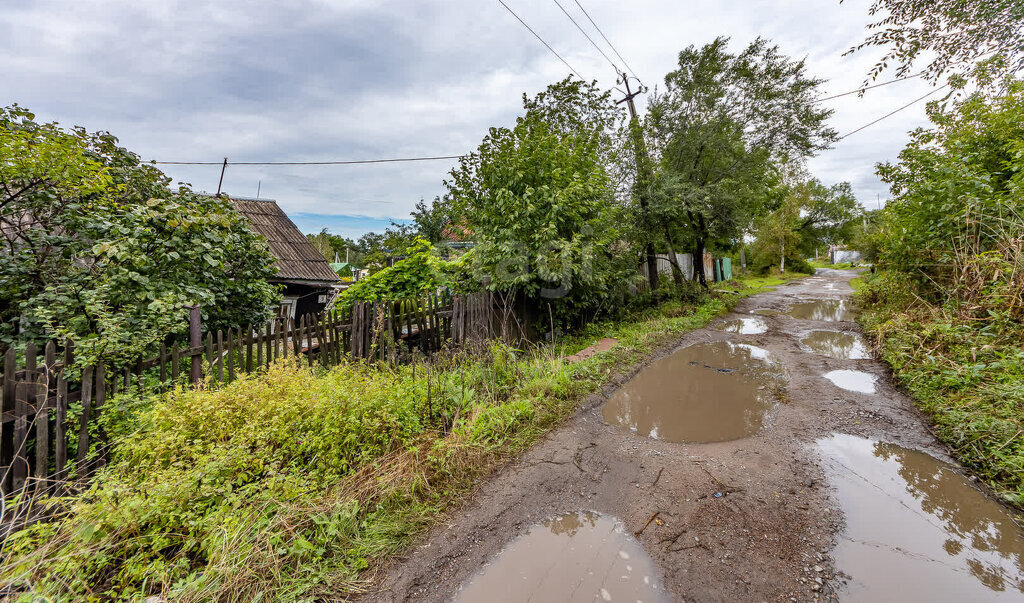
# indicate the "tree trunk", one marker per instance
pixel 698 262
pixel 677 271
pixel 698 255
pixel 652 267
pixel 782 257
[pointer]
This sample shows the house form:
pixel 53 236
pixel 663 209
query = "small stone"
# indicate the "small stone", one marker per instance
pixel 818 569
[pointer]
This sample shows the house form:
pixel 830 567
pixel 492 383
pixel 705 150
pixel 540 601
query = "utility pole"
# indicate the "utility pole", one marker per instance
pixel 223 168
pixel 643 179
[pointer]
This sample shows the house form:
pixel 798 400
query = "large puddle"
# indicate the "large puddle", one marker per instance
pixel 836 344
pixel 823 309
pixel 916 530
pixel 707 392
pixel 853 381
pixel 574 557
pixel 752 325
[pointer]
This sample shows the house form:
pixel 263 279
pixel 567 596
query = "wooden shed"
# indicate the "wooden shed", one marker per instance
pixel 309 283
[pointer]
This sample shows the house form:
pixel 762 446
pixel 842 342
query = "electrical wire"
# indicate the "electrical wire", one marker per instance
pixel 859 90
pixel 587 36
pixel 891 113
pixel 352 162
pixel 536 35
pixel 610 45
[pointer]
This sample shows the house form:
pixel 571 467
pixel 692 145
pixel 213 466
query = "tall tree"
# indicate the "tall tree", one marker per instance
pixel 540 201
pixel 722 128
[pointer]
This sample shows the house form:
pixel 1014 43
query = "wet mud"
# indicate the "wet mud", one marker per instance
pixel 918 530
pixel 744 326
pixel 706 392
pixel 756 516
pixel 836 344
pixel 853 381
pixel 581 556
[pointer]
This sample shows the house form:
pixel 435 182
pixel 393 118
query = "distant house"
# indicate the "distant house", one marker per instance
pixel 309 283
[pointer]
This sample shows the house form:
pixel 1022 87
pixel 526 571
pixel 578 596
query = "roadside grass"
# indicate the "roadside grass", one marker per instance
pixel 299 483
pixel 967 375
pixel 840 266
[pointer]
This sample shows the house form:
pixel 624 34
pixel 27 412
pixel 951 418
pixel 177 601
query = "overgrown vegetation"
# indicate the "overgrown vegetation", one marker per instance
pixel 98 249
pixel 289 485
pixel 948 311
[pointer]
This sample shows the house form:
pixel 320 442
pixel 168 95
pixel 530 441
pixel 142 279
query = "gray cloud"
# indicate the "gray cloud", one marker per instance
pixel 349 79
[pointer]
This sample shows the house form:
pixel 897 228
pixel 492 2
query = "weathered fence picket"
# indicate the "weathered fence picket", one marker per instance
pixel 36 430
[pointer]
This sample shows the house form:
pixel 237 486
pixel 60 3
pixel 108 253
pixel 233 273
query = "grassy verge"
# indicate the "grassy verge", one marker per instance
pixel 968 376
pixel 840 266
pixel 295 484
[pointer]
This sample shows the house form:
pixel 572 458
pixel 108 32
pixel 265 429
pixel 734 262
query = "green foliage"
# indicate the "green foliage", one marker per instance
pixel 968 377
pixel 333 246
pixel 539 200
pixel 722 130
pixel 954 35
pixel 810 216
pixel 100 251
pixel 957 215
pixel 419 273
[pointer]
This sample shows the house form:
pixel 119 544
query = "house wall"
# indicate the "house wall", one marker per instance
pixel 307 297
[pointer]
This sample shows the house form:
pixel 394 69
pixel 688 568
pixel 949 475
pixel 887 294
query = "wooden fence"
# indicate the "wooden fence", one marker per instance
pixel 41 445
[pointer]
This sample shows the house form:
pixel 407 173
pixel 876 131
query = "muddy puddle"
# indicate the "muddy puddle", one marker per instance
pixel 745 326
pixel 918 531
pixel 766 312
pixel 836 344
pixel 706 392
pixel 853 381
pixel 831 310
pixel 574 557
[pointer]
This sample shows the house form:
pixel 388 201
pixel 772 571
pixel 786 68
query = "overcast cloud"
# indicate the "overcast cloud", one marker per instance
pixel 313 80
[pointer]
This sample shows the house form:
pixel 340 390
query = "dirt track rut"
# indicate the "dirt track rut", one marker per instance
pixel 759 540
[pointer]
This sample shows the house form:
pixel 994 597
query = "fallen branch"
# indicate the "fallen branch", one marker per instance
pixel 649 520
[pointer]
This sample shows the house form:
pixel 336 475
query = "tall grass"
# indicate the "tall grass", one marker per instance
pixel 295 484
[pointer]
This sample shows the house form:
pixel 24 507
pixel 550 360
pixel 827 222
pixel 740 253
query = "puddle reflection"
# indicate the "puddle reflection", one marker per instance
pixel 836 344
pixel 916 530
pixel 830 310
pixel 574 557
pixel 709 392
pixel 744 326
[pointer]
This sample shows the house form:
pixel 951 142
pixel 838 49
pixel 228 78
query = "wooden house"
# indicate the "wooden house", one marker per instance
pixel 309 284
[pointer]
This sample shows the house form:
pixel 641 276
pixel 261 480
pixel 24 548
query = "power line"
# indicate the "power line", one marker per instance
pixel 859 90
pixel 890 114
pixel 609 42
pixel 536 35
pixel 351 162
pixel 587 36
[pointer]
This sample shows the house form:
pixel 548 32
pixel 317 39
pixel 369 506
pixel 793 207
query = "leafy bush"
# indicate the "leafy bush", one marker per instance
pixel 100 250
pixel 421 272
pixel 258 485
pixel 967 375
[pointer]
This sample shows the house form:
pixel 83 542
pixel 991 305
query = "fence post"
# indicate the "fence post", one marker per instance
pixel 195 340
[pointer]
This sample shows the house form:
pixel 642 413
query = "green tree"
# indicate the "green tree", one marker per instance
pixel 958 187
pixel 540 201
pixel 722 130
pixel 333 246
pixel 432 220
pixel 953 35
pixel 809 216
pixel 99 250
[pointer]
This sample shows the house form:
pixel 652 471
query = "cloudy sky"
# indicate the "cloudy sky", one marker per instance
pixel 315 80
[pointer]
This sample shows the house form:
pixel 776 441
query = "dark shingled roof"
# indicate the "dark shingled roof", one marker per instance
pixel 297 259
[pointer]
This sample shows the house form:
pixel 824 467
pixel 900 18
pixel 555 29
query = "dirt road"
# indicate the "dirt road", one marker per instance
pixel 754 518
